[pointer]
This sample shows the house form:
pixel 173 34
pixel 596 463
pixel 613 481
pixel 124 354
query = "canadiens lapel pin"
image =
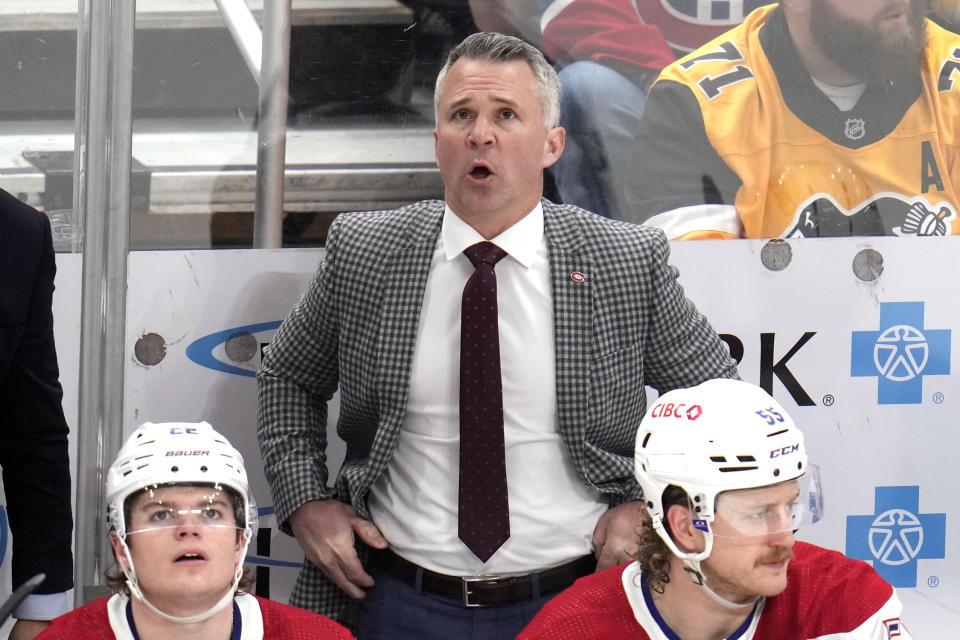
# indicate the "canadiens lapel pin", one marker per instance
pixel 576 276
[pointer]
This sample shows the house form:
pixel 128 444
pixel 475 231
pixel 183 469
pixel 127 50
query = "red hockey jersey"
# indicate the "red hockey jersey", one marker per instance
pixel 260 619
pixel 634 36
pixel 827 593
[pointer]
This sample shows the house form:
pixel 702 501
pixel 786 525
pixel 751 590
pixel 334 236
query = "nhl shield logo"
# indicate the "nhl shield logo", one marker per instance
pixel 855 128
pixel 712 12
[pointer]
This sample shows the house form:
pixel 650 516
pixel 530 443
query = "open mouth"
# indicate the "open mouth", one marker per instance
pixel 480 172
pixel 188 557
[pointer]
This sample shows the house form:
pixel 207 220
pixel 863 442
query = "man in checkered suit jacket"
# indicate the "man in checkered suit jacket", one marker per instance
pixel 368 325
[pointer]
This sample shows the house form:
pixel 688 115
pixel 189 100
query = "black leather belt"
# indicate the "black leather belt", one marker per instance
pixel 485 591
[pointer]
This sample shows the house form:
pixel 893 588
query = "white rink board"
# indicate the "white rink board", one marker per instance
pixel 859 444
pixel 185 296
pixel 901 454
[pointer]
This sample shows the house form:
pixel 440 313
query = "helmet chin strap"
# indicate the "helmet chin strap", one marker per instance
pixel 692 562
pixel 134 585
pixel 693 568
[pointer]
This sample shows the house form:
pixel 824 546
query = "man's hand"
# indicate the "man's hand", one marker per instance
pixel 27 629
pixel 615 536
pixel 325 530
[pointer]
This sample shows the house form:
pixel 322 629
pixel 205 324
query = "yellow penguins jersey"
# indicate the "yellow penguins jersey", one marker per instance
pixel 737 141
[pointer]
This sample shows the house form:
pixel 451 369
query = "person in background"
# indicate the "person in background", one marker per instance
pixel 33 430
pixel 491 352
pixel 813 118
pixel 519 18
pixel 181 517
pixel 726 484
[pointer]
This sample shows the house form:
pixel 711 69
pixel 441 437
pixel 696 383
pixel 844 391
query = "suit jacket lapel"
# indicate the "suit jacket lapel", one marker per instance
pixel 570 275
pixel 403 288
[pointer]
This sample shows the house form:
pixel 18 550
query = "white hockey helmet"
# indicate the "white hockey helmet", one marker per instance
pixel 721 435
pixel 180 453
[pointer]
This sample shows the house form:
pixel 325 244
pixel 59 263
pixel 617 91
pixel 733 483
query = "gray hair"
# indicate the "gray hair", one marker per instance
pixel 498 48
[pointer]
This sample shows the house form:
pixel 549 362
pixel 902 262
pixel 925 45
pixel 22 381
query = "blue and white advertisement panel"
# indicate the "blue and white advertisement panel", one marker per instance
pixel 855 337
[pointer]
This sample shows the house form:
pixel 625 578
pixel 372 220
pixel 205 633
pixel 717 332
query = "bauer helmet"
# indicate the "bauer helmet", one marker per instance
pixel 177 453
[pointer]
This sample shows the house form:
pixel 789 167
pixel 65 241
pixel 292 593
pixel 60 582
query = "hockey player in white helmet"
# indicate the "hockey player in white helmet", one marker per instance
pixel 726 485
pixel 181 516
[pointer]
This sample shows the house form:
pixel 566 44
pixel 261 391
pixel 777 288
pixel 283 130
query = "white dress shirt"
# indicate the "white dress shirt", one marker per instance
pixel 414 502
pixel 44 606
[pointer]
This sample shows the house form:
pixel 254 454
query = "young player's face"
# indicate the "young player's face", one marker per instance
pixel 872 40
pixel 752 543
pixel 184 544
pixel 491 141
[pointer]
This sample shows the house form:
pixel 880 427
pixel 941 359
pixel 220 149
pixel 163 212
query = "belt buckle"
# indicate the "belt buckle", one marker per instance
pixel 471 580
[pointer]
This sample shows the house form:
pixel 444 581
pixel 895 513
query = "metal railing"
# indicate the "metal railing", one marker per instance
pixel 272 125
pixel 104 125
pixel 245 31
pixel 267 55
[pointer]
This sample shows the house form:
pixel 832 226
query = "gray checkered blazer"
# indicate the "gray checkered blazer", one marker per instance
pixel 626 325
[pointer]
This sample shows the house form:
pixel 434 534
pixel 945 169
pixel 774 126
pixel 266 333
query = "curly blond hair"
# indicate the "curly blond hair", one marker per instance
pixel 653 554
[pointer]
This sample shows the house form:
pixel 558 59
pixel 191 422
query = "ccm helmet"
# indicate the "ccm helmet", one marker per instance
pixel 176 453
pixel 719 436
pixel 723 435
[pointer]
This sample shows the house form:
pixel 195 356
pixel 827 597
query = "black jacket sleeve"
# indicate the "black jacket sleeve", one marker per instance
pixel 675 164
pixel 33 430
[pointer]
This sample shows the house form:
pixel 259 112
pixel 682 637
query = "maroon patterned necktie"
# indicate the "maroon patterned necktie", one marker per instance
pixel 484 517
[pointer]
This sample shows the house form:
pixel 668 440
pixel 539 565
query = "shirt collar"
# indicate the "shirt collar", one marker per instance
pixel 521 241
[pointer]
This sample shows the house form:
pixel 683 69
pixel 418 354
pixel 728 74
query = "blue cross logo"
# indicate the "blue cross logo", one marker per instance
pixel 897 535
pixel 900 353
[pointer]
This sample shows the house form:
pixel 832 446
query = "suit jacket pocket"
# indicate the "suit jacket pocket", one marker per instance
pixel 617 400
